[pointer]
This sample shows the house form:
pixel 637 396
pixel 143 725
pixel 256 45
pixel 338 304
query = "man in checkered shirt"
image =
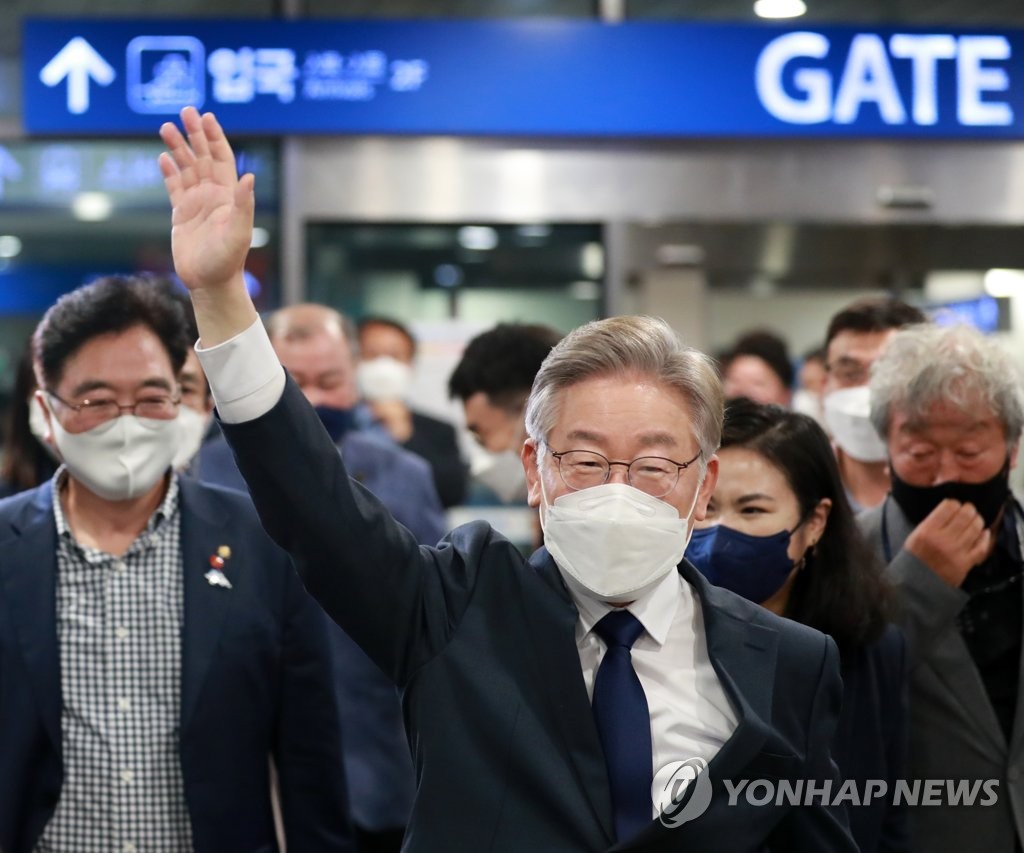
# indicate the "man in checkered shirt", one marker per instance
pixel 157 651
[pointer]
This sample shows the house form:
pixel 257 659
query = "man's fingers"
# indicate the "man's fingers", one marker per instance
pixel 245 197
pixel 172 177
pixel 978 551
pixel 944 512
pixel 181 153
pixel 966 521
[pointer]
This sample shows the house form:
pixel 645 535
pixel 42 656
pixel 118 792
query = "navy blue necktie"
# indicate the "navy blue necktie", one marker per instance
pixel 624 724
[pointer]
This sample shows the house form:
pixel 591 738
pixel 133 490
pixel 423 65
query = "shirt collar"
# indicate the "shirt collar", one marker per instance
pixel 655 609
pixel 168 506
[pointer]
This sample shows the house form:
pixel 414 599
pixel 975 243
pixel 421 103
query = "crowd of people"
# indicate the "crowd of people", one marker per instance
pixel 231 618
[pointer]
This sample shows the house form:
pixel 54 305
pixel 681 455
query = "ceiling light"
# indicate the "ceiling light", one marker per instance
pixel 10 246
pixel 260 238
pixel 92 207
pixel 998 282
pixel 779 8
pixel 480 238
pixel 592 260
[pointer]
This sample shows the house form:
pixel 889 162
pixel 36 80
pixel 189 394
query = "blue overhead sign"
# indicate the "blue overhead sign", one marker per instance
pixel 537 78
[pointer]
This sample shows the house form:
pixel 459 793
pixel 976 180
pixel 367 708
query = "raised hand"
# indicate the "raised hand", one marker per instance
pixel 211 224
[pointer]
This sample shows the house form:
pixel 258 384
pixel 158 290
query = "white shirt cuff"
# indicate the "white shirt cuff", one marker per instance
pixel 245 375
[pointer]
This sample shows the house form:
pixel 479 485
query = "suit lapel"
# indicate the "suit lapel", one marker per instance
pixel 28 573
pixel 203 530
pixel 552 620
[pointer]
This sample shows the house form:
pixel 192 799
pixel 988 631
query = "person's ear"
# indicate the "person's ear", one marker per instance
pixel 530 458
pixel 44 404
pixel 706 490
pixel 818 521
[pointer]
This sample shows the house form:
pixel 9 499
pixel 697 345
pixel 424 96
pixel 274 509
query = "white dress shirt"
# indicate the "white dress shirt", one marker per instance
pixel 691 717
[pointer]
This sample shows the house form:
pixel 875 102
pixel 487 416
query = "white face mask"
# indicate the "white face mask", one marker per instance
pixel 120 459
pixel 192 427
pixel 806 403
pixel 848 418
pixel 383 378
pixel 613 542
pixel 503 474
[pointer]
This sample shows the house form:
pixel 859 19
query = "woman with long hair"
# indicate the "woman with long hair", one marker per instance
pixel 780 532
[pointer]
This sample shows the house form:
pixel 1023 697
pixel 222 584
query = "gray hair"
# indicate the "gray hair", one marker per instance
pixel 925 364
pixel 619 345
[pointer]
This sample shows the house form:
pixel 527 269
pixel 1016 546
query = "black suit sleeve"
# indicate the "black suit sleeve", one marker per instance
pixel 398 601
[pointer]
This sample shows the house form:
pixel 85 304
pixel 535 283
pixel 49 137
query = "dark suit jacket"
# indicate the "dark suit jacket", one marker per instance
pixel 436 441
pixel 255 682
pixel 482 643
pixel 872 739
pixel 954 731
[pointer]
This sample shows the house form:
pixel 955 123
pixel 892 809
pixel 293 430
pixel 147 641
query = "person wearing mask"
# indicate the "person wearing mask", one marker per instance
pixel 947 404
pixel 758 367
pixel 810 380
pixel 779 532
pixel 27 459
pixel 549 698
pixel 157 650
pixel 387 351
pixel 856 337
pixel 493 380
pixel 317 345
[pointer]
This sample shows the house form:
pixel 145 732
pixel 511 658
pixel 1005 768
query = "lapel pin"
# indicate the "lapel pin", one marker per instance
pixel 216 576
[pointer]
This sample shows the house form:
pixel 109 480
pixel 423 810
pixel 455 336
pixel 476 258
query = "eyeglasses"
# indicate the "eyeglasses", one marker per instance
pixel 91 413
pixel 655 475
pixel 848 372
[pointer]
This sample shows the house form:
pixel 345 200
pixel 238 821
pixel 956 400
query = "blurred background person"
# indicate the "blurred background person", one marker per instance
pixel 780 532
pixel 810 384
pixel 493 381
pixel 387 352
pixel 758 367
pixel 27 459
pixel 855 338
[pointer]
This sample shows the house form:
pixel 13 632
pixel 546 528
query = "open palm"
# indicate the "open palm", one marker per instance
pixel 212 207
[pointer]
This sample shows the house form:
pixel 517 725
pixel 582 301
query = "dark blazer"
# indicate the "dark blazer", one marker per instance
pixel 482 643
pixel 954 732
pixel 255 682
pixel 872 739
pixel 436 441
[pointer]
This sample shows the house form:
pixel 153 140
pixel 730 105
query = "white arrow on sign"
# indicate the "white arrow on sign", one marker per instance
pixel 10 169
pixel 77 61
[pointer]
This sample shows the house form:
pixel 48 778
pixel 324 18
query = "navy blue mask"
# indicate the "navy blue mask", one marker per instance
pixel 755 567
pixel 336 421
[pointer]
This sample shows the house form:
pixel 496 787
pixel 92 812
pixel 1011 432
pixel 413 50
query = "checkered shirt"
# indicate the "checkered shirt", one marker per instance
pixel 119 626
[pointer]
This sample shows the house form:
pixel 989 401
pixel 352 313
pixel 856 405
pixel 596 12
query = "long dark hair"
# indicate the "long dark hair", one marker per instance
pixel 840 590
